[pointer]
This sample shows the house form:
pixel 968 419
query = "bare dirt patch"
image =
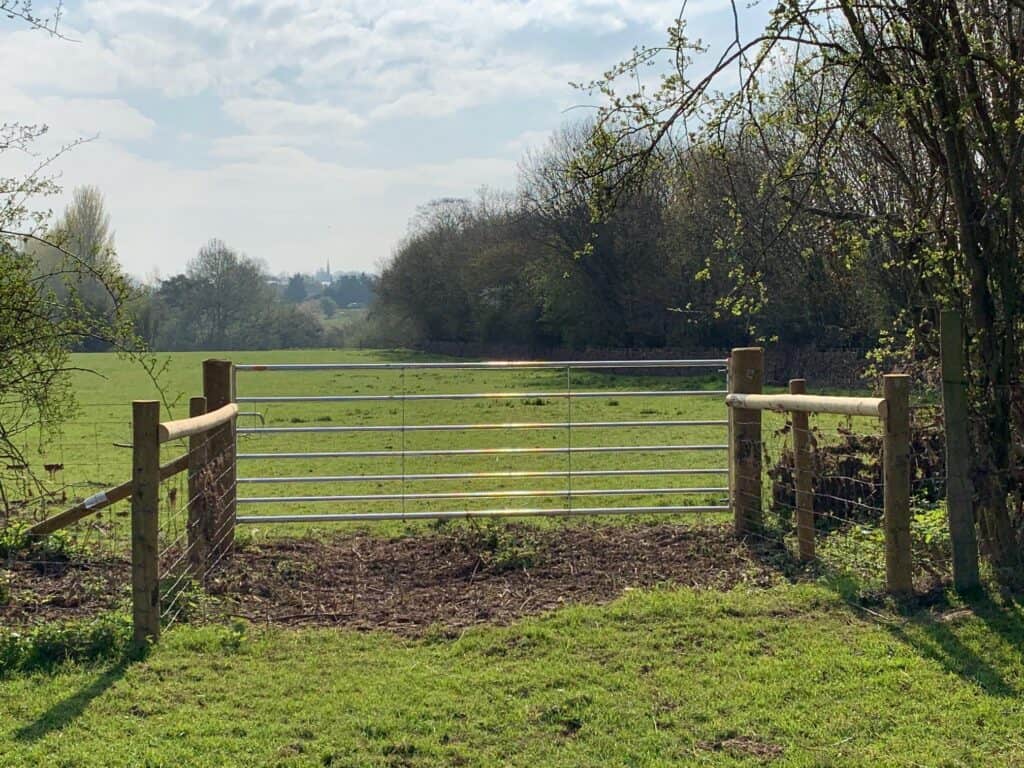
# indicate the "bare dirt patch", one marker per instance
pixel 443 581
pixel 36 591
pixel 493 575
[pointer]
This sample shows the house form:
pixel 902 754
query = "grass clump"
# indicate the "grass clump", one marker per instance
pixel 107 637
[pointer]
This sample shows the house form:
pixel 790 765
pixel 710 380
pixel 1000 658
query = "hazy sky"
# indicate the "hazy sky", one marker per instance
pixel 301 130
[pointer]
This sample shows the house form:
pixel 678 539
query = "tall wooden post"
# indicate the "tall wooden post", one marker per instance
pixel 199 529
pixel 803 475
pixel 218 388
pixel 959 490
pixel 896 479
pixel 746 376
pixel 145 523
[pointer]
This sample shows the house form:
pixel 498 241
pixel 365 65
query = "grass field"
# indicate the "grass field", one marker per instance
pixel 790 675
pixel 785 677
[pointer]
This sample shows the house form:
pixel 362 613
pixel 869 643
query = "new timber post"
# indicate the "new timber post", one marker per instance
pixel 803 475
pixel 746 377
pixel 145 525
pixel 218 389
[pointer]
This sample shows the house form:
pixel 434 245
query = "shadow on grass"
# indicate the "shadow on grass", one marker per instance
pixel 935 637
pixel 65 712
pixel 928 624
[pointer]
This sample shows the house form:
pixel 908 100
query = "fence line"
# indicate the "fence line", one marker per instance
pixel 746 401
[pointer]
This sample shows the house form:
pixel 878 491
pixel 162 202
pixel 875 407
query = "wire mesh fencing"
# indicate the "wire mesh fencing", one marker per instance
pixel 195 531
pixel 68 535
pixel 83 568
pixel 836 520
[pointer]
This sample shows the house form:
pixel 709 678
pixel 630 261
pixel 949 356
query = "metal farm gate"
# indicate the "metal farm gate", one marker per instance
pixel 445 440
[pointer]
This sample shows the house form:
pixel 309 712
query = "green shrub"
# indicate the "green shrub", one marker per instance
pixel 16 541
pixel 107 637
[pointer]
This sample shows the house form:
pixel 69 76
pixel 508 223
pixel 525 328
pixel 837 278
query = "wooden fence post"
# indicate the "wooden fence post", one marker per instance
pixel 145 523
pixel 218 388
pixel 199 529
pixel 896 480
pixel 959 490
pixel 802 475
pixel 746 376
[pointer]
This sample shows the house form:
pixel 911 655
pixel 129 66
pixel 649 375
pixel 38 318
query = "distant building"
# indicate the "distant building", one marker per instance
pixel 324 276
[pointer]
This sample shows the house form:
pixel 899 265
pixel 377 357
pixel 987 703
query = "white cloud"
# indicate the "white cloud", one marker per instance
pixel 76 117
pixel 283 206
pixel 292 82
pixel 278 117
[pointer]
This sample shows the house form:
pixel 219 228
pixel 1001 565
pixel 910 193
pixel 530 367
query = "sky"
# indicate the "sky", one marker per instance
pixel 302 131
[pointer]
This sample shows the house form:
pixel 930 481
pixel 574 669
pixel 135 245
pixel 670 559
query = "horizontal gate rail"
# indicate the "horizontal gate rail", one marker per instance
pixel 471 513
pixel 495 365
pixel 609 393
pixel 507 425
pixel 567 493
pixel 481 475
pixel 484 451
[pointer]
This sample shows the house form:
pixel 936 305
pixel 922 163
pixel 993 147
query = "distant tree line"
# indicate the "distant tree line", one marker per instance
pixel 661 266
pixel 227 300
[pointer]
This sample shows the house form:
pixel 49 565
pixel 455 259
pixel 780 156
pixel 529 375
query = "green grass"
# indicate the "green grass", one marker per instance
pixel 787 677
pixel 90 460
pixel 791 676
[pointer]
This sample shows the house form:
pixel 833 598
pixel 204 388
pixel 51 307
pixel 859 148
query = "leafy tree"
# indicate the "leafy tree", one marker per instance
pixel 46 310
pixel 897 128
pixel 356 289
pixel 83 231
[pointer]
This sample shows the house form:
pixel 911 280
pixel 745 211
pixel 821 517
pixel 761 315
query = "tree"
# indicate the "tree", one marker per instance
pixel 45 312
pixel 217 302
pixel 907 144
pixel 328 306
pixel 83 231
pixel 295 291
pixel 47 308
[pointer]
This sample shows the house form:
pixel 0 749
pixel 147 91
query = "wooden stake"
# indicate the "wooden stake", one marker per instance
pixel 199 528
pixel 959 490
pixel 896 469
pixel 803 475
pixel 145 523
pixel 746 376
pixel 218 387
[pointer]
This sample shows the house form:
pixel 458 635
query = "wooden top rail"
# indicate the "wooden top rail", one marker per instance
pixel 101 500
pixel 845 406
pixel 173 430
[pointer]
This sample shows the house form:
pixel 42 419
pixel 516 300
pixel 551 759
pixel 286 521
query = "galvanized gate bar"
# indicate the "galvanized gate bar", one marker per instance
pixel 506 425
pixel 484 451
pixel 471 513
pixel 482 495
pixel 486 365
pixel 610 393
pixel 480 475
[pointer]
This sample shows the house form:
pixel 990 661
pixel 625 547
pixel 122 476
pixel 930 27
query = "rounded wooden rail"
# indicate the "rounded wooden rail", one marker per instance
pixel 174 430
pixel 844 406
